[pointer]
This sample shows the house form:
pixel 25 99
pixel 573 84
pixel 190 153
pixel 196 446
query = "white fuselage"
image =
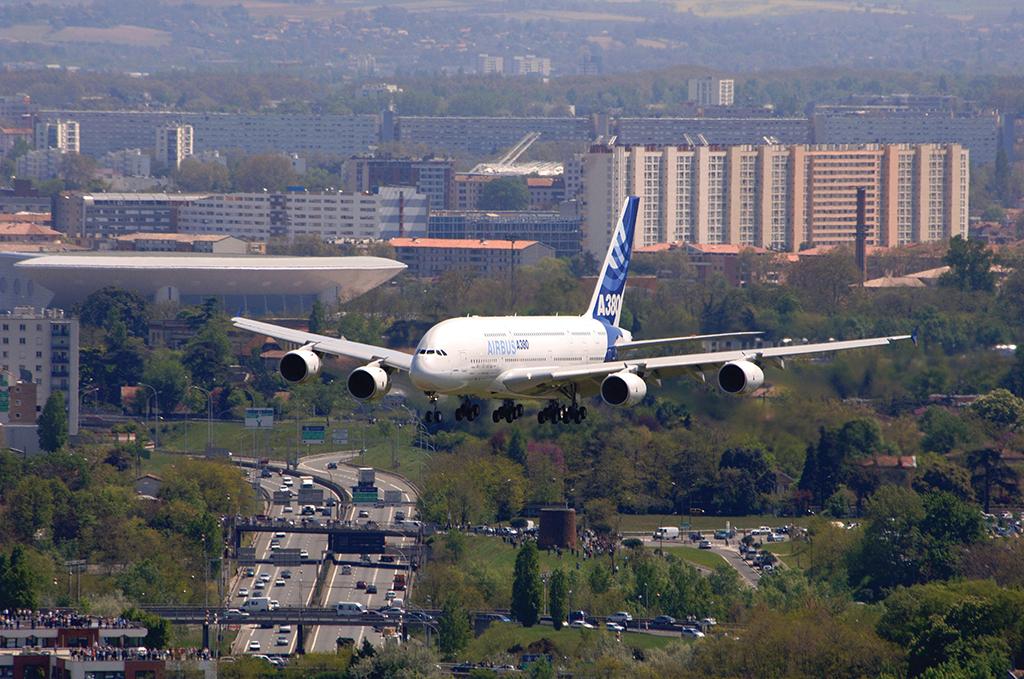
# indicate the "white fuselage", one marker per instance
pixel 468 356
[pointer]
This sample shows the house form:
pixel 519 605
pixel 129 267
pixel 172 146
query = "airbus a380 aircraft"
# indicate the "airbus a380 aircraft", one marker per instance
pixel 557 359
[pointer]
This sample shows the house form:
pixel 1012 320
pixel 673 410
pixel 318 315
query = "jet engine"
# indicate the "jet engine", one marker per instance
pixel 300 365
pixel 740 377
pixel 368 383
pixel 623 389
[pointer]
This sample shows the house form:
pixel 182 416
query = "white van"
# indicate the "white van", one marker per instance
pixel 257 603
pixel 666 533
pixel 349 608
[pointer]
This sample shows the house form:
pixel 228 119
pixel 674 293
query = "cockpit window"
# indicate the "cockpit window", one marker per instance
pixel 430 351
pixel 438 352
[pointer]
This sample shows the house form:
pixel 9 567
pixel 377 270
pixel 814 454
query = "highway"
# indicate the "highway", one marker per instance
pixel 339 586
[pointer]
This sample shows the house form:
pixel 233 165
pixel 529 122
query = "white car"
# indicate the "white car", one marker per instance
pixel 283 489
pixel 303 554
pixel 280 534
pixel 288 509
pixel 620 617
pixel 243 591
pixel 279 582
pixel 264 577
pixel 692 632
pixel 259 584
pixel 613 626
pixel 282 640
pixel 237 613
pixel 254 645
pixel 285 629
pixel 288 481
pixel 581 624
pixel 390 595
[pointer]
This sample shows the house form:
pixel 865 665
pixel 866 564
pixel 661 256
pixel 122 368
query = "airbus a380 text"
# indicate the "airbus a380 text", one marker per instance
pixel 557 360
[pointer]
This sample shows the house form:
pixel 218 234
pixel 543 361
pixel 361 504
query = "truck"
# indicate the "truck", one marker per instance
pixel 399 584
pixel 393 497
pixel 366 476
pixel 666 533
pixel 306 482
pixel 258 603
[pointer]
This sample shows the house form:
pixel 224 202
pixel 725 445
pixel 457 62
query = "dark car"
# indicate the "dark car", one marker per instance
pixel 286 574
pixel 371 589
pixel 577 615
pixel 664 620
pixel 360 584
pixel 332 465
pixel 695 536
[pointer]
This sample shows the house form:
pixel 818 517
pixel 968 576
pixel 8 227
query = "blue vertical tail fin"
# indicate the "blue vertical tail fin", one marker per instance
pixel 606 304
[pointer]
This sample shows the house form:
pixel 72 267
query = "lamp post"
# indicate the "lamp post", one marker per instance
pixel 209 413
pixel 156 427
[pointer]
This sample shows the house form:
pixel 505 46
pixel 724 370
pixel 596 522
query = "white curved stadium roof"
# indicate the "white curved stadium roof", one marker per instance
pixel 72 277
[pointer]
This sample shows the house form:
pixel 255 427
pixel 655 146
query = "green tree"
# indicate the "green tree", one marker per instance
pixel 1013 380
pixel 1000 408
pixel 453 628
pixel 317 318
pixel 527 591
pixel 19 587
pixel 269 172
pixel 208 354
pixel 505 193
pixel 194 176
pixel 110 304
pixel 77 170
pixel 165 373
pixel 53 423
pixel 558 599
pixel 970 266
pixel 158 629
pixel 943 430
pixel 991 476
pixel 410 660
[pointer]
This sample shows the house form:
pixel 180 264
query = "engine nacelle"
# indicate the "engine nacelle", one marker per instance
pixel 299 365
pixel 623 389
pixel 740 377
pixel 368 383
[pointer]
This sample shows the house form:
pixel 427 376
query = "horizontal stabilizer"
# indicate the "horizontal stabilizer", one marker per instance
pixel 634 344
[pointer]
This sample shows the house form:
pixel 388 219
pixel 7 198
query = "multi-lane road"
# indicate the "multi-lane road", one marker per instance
pixel 339 586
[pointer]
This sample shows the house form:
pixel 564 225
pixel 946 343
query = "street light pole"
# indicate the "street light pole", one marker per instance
pixel 156 427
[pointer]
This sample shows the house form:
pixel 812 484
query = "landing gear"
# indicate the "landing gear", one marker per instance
pixel 555 412
pixel 508 411
pixel 467 410
pixel 433 415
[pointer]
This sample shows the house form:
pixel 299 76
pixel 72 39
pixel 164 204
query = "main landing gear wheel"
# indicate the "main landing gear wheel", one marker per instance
pixel 468 411
pixel 507 411
pixel 553 412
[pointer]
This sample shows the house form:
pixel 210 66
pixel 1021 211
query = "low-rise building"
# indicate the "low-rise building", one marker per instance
pixel 432 257
pixel 179 242
pixel 559 230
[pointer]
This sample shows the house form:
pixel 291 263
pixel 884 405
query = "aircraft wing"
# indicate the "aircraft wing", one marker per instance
pixel 329 345
pixel 633 344
pixel 528 379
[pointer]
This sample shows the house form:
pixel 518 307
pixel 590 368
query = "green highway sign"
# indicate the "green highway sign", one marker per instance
pixel 314 433
pixel 364 496
pixel 5 401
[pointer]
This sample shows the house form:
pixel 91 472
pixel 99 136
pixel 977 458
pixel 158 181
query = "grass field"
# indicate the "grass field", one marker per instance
pixel 631 523
pixel 784 550
pixel 491 554
pixel 499 638
pixel 699 557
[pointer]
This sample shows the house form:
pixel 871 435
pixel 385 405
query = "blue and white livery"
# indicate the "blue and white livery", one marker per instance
pixel 557 360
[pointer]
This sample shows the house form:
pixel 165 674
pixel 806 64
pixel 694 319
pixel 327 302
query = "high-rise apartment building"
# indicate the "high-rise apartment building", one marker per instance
pixel 173 144
pixel 531 65
pixel 57 134
pixel 778 197
pixel 432 177
pixel 41 347
pixel 127 162
pixel 488 64
pixel 711 91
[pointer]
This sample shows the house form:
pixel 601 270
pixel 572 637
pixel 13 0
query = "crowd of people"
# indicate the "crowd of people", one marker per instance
pixel 101 653
pixel 29 619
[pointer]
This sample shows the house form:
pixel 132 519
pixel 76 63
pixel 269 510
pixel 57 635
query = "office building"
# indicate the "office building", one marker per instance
pixel 104 131
pixel 777 197
pixel 14 107
pixel 40 164
pixel 717 131
pixel 57 134
pixel 561 232
pixel 487 64
pixel 22 198
pixel 41 347
pixel 978 133
pixel 433 177
pixel 330 216
pixel 173 144
pixel 127 162
pixel 711 91
pixel 531 65
pixel 105 215
pixel 432 257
